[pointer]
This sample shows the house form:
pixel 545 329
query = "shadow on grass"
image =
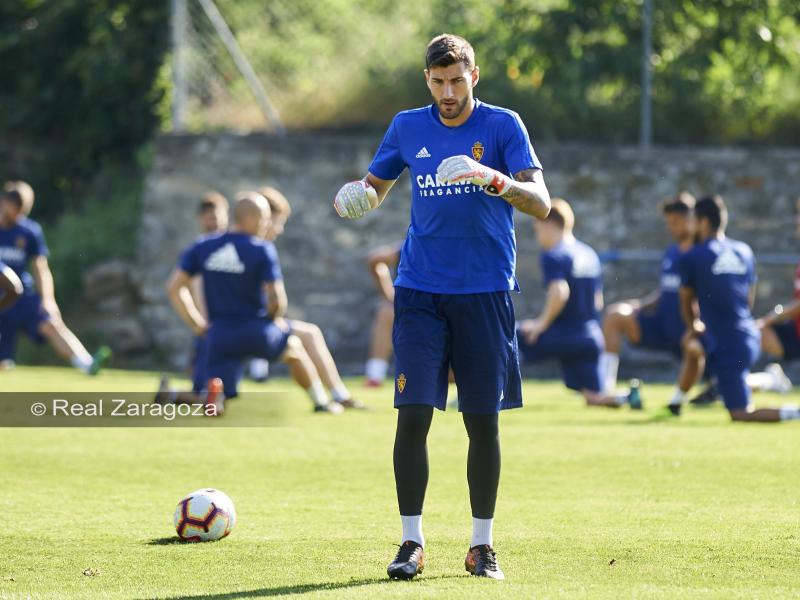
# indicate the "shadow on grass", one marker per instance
pixel 166 541
pixel 305 588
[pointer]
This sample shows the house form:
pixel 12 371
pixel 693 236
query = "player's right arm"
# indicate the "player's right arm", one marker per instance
pixel 557 297
pixel 380 262
pixel 277 301
pixel 781 314
pixel 180 296
pixel 356 198
pixel 10 286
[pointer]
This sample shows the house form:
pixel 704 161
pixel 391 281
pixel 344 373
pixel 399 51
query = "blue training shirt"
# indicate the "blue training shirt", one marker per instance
pixel 461 240
pixel 578 264
pixel 19 244
pixel 234 267
pixel 721 272
pixel 669 307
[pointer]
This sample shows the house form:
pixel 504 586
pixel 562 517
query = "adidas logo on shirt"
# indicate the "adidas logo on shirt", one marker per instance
pixel 729 263
pixel 423 153
pixel 225 260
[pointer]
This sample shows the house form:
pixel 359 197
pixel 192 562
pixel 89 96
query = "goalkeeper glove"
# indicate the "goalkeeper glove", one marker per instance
pixel 462 169
pixel 355 199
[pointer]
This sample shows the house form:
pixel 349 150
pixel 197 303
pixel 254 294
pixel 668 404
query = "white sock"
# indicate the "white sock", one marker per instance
pixel 340 393
pixel 610 364
pixel 412 529
pixel 376 369
pixel 679 397
pixel 481 532
pixel 80 363
pixel 318 394
pixel 259 368
pixel 789 412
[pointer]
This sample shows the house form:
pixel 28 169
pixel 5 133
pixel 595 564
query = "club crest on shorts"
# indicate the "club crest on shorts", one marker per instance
pixel 477 151
pixel 401 382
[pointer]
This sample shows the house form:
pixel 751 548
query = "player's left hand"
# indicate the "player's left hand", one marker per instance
pixel 531 329
pixel 462 169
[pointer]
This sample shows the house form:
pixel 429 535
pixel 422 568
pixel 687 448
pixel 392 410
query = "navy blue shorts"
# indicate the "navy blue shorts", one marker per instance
pixel 730 360
pixel 472 333
pixel 26 316
pixel 787 334
pixel 231 342
pixel 656 336
pixel 578 351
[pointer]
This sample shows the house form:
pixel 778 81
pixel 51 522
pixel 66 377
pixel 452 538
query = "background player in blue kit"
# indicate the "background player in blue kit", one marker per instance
pixel 10 286
pixel 719 274
pixel 246 300
pixel 568 328
pixel 36 313
pixel 655 321
pixel 452 291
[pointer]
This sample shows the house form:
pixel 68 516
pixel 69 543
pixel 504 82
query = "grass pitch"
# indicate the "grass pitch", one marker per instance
pixel 593 503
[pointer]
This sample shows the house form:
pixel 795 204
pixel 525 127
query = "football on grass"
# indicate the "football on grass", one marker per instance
pixel 204 516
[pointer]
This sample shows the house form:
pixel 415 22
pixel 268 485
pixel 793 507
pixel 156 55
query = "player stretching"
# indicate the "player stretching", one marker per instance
pixel 309 333
pixel 239 271
pixel 381 262
pixel 719 273
pixel 36 313
pixel 655 321
pixel 10 286
pixel 568 328
pixel 452 301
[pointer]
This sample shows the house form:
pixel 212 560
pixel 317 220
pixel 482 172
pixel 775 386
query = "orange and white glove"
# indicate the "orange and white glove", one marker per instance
pixel 462 169
pixel 355 199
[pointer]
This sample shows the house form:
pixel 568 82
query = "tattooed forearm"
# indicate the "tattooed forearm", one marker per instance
pixel 529 194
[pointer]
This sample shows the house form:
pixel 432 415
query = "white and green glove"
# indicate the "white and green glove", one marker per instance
pixel 355 199
pixel 462 169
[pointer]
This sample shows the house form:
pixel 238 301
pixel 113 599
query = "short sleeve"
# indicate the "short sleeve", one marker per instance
pixel 752 277
pixel 190 261
pixel 271 270
pixel 518 152
pixel 685 269
pixel 36 245
pixel 388 162
pixel 553 268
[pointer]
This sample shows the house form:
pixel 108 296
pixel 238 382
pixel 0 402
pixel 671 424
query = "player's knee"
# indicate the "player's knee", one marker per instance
pixel 294 349
pixel 481 427
pixel 414 420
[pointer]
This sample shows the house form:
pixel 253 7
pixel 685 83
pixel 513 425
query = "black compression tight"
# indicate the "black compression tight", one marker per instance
pixel 411 460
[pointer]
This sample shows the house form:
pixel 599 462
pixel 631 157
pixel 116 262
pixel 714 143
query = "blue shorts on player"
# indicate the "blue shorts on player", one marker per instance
pixel 231 342
pixel 659 335
pixel 790 340
pixel 26 316
pixel 577 349
pixel 472 333
pixel 199 363
pixel 731 360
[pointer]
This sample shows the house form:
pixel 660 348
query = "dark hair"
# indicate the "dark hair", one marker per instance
pixel 682 204
pixel 212 200
pixel 448 49
pixel 713 209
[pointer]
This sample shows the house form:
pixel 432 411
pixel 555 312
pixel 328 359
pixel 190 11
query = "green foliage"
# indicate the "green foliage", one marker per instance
pixel 78 89
pixel 724 71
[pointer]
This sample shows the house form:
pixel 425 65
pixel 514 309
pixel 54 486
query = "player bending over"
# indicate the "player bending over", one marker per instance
pixel 568 328
pixel 36 313
pixel 718 275
pixel 381 262
pixel 452 293
pixel 239 270
pixel 309 334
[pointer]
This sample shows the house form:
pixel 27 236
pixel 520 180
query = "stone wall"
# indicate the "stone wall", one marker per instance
pixel 613 190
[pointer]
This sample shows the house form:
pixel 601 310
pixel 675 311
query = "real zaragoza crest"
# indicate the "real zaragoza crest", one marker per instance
pixel 477 151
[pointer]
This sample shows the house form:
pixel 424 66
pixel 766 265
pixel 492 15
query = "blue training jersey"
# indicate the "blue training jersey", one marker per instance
pixel 668 308
pixel 461 240
pixel 577 264
pixel 234 267
pixel 19 244
pixel 721 273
